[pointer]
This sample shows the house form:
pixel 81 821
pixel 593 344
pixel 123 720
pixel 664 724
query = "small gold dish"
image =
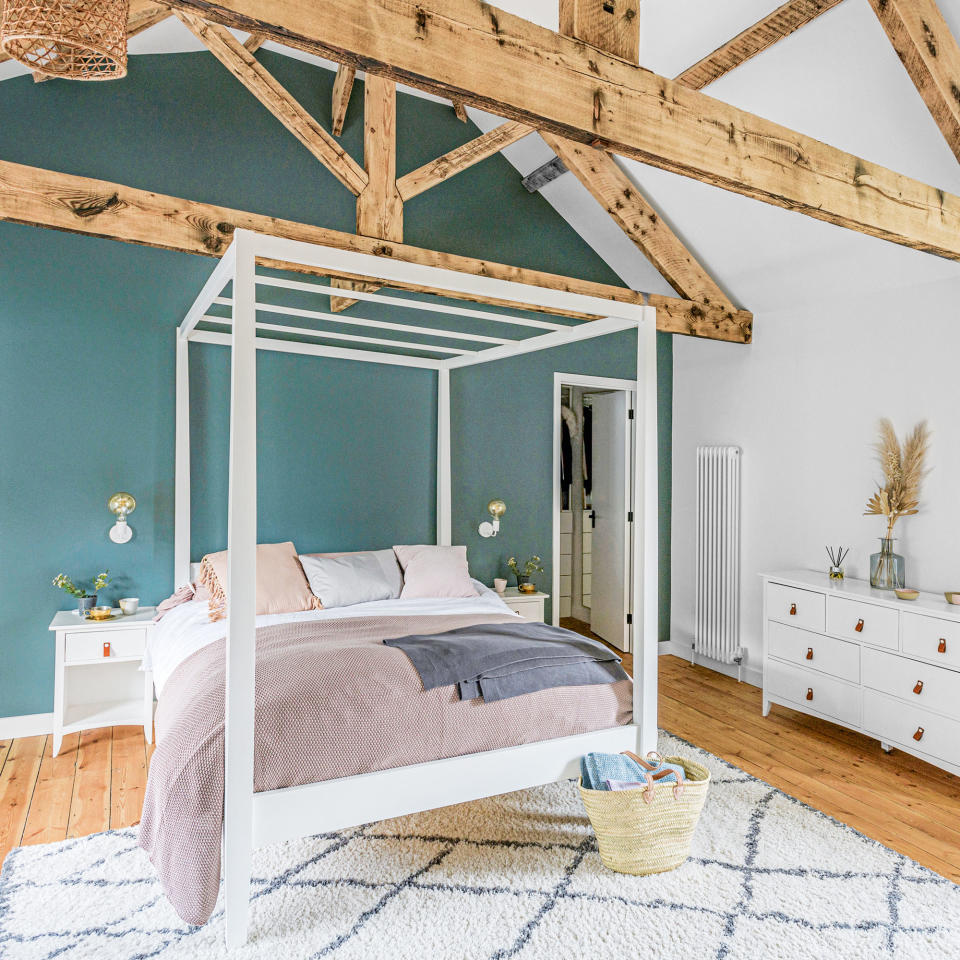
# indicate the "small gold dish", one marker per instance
pixel 101 613
pixel 953 596
pixel 905 594
pixel 532 588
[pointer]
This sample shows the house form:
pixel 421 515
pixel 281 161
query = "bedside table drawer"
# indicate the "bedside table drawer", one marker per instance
pixel 89 644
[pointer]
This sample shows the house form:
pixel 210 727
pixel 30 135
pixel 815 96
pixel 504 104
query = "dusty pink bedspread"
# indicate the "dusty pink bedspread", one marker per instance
pixel 331 701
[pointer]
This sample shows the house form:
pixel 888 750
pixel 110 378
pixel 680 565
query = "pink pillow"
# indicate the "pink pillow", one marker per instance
pixel 430 571
pixel 281 583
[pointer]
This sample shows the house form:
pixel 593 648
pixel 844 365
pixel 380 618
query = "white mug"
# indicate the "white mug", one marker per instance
pixel 129 605
pixel 500 585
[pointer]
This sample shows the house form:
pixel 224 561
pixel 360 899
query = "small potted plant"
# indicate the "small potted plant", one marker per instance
pixel 85 601
pixel 532 566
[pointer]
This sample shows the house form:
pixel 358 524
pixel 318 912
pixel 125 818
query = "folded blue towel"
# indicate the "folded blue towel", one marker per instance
pixel 597 768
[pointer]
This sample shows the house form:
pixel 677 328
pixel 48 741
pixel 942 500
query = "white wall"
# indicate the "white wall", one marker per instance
pixel 803 402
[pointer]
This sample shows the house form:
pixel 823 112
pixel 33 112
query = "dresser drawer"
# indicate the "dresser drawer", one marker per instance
pixel 865 622
pixel 932 638
pixel 813 691
pixel 88 645
pixel 825 654
pixel 892 720
pixel 799 608
pixel 919 683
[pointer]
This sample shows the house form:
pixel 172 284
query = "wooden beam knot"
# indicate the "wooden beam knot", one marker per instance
pixel 86 207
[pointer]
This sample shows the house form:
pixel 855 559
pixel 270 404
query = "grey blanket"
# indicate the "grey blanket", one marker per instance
pixel 500 660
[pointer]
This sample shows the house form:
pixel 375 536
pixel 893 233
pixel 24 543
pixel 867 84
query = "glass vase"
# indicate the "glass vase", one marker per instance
pixel 886 567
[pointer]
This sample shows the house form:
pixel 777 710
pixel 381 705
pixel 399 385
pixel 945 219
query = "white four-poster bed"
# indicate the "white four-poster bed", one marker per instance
pixel 256 819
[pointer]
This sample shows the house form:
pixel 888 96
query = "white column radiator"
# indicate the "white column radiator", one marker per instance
pixel 717 626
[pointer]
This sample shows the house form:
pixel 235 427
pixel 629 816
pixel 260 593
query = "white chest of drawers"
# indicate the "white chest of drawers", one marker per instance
pixel 864 659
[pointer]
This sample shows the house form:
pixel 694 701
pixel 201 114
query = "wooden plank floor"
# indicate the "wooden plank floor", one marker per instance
pixel 98 780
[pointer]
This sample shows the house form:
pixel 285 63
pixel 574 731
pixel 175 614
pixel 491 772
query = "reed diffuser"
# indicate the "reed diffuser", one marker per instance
pixel 836 555
pixel 898 496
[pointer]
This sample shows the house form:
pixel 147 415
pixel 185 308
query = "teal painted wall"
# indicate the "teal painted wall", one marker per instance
pixel 347 451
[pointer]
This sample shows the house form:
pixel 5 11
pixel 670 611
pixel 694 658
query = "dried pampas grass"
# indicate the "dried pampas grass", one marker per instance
pixel 904 468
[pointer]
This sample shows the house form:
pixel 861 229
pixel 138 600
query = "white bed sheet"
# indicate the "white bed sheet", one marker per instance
pixel 187 628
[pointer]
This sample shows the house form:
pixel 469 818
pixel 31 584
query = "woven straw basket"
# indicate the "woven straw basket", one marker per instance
pixel 637 836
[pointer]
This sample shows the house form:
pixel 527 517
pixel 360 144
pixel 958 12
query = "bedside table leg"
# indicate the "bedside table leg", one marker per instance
pixel 766 707
pixel 57 742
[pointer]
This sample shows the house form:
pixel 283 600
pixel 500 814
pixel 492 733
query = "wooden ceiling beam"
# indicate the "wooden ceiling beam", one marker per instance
pixel 610 25
pixel 245 67
pixel 501 63
pixel 254 42
pixel 459 110
pixel 639 220
pixel 786 19
pixel 461 158
pixel 97 208
pixel 930 54
pixel 342 88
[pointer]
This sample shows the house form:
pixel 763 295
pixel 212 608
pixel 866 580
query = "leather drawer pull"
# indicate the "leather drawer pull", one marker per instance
pixel 809 693
pixel 919 687
pixel 859 626
pixel 793 609
pixel 809 653
pixel 106 648
pixel 919 734
pixel 942 646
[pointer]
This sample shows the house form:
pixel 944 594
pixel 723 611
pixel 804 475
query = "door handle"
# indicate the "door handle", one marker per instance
pixel 859 626
pixel 593 519
pixel 919 687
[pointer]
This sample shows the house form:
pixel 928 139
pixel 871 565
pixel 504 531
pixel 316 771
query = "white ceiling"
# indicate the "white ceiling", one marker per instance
pixel 837 79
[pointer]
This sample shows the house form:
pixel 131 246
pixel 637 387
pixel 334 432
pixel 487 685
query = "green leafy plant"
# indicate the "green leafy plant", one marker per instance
pixel 64 582
pixel 530 567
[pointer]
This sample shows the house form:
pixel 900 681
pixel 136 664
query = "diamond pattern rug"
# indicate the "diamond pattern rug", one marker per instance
pixel 512 876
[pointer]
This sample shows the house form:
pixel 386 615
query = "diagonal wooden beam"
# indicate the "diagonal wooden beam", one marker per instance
pixel 516 69
pixel 638 219
pixel 254 42
pixel 98 208
pixel 461 158
pixel 460 110
pixel 786 19
pixel 930 55
pixel 148 16
pixel 342 88
pixel 245 67
pixel 610 25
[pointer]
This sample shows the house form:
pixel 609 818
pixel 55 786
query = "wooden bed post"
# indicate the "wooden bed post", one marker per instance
pixel 646 559
pixel 181 485
pixel 444 503
pixel 241 609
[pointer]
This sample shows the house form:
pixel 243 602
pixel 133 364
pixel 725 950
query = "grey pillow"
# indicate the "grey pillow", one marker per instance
pixel 353 577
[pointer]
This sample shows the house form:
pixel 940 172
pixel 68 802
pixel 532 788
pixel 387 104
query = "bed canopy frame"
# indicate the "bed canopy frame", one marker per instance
pixel 250 266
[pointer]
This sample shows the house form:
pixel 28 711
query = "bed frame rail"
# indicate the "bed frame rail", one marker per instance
pixel 294 812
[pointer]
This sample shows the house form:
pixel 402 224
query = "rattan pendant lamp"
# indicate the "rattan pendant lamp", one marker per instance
pixel 76 39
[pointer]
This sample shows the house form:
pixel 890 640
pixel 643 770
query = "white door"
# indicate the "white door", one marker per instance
pixel 610 468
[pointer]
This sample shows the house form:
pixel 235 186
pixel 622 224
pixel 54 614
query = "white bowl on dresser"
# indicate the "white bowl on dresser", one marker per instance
pixel 866 660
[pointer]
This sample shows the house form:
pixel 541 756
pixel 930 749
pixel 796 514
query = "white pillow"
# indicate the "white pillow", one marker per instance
pixel 430 571
pixel 348 579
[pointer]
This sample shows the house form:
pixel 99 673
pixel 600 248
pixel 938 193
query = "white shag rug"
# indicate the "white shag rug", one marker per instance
pixel 512 876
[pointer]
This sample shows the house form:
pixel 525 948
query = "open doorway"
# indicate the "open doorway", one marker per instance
pixel 593 509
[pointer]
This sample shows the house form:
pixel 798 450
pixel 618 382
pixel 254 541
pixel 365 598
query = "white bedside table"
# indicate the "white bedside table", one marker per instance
pixel 529 605
pixel 98 681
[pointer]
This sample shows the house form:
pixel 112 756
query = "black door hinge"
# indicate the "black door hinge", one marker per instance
pixel 630 517
pixel 629 618
pixel 629 414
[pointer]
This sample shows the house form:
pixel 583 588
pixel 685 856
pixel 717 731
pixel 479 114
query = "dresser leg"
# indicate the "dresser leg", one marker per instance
pixel 766 707
pixel 885 747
